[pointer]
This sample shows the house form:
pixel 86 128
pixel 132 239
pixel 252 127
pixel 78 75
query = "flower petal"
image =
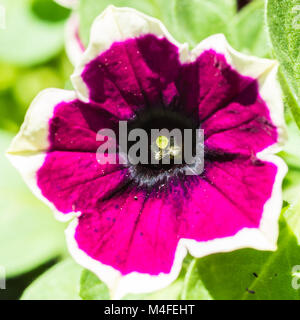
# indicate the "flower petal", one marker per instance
pixel 243 126
pixel 27 151
pixel 264 71
pixel 240 188
pixel 55 151
pixel 71 176
pixel 129 63
pixel 129 259
pixel 133 74
pixel 33 135
pixel 263 237
pixel 246 65
pixel 75 181
pixel 74 126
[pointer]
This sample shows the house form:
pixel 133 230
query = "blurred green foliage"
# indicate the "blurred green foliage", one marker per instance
pixel 28 36
pixel 32 58
pixel 31 55
pixel 19 85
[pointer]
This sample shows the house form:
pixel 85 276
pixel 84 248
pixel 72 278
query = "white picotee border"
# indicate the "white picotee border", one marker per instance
pixel 74 47
pixel 27 151
pixel 72 4
pixel 28 148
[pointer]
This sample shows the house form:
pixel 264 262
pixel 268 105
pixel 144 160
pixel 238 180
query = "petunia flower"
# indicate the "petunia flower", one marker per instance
pixel 132 224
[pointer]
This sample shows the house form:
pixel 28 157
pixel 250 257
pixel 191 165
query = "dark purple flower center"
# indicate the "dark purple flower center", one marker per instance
pixel 164 116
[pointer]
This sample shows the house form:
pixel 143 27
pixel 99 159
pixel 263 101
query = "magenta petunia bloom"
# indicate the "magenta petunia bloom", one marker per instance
pixel 134 224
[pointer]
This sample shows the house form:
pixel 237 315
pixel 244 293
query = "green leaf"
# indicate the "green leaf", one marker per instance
pixel 181 17
pixel 91 288
pixel 30 36
pixel 249 32
pixel 193 287
pixel 251 274
pixel 283 20
pixel 29 234
pixel 291 215
pixel 61 282
pixel 290 99
pixel 291 183
pixel 197 19
pixel 291 150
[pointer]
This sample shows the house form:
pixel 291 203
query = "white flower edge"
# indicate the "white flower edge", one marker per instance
pixel 34 132
pixel 27 150
pixel 118 284
pixel 72 4
pixel 73 45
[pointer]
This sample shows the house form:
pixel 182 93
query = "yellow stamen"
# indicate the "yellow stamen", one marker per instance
pixel 162 142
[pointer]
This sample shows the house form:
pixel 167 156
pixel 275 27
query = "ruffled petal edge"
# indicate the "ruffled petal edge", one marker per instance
pixel 28 149
pixel 263 70
pixel 119 24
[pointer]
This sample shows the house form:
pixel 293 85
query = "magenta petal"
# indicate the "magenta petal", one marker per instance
pixel 245 138
pixel 133 74
pixel 75 181
pixel 218 83
pixel 187 85
pixel 239 190
pixel 243 126
pixel 75 124
pixel 156 222
pixel 132 232
pixel 71 177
